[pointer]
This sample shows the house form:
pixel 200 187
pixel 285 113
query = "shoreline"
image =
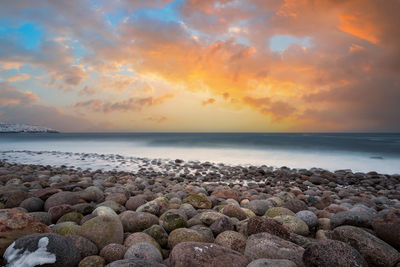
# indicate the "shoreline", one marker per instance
pixel 170 217
pixel 117 162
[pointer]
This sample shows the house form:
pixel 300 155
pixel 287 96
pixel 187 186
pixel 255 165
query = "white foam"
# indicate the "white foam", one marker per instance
pixel 41 256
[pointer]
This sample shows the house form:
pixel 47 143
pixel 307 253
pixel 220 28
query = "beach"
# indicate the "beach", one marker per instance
pixel 185 213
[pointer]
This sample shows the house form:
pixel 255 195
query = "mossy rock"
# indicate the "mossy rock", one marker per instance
pixel 66 228
pixel 278 211
pixel 286 196
pixel 103 230
pixel 75 217
pixel 159 234
pixel 278 202
pixel 173 219
pixel 184 235
pixel 294 224
pixel 219 208
pixel 136 238
pixel 198 201
pixel 249 213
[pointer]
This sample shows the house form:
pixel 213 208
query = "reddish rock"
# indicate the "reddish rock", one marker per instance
pixel 198 254
pixel 226 193
pixel 60 198
pixel 323 203
pixel 261 224
pixel 234 211
pixel 113 252
pixel 387 227
pixel 45 193
pixel 332 253
pixel 15 224
pixel 12 197
pixel 57 211
pixel 334 208
pixel 135 202
pixel 295 205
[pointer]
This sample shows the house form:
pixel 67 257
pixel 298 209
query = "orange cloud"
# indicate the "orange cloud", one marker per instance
pixel 362 28
pixel 20 77
pixel 208 101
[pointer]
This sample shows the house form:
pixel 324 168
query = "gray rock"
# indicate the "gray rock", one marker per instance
pixel 375 251
pixel 32 204
pixel 188 209
pixel 135 263
pixel 264 245
pixel 36 249
pixel 271 263
pixel 85 246
pixel 354 218
pixel 327 253
pixel 197 254
pixel 143 251
pixel 308 217
pixel 137 221
pixel 259 206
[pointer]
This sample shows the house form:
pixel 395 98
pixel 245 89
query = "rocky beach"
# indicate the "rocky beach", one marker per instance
pixel 182 213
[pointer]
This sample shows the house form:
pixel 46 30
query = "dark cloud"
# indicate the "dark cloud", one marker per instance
pixel 131 104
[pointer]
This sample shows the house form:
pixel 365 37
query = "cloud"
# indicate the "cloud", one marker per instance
pixel 208 101
pixel 221 48
pixel 20 77
pixel 22 107
pixel 131 104
pixel 159 119
pixel 10 95
pixel 277 109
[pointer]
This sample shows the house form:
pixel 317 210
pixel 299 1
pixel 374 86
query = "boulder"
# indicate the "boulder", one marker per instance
pixel 143 251
pixel 70 198
pixel 232 240
pixel 39 249
pixel 184 235
pixel 294 224
pixel 271 263
pixel 137 221
pixel 226 194
pixel 173 219
pixel 278 211
pixel 261 224
pixel 198 201
pixel 375 251
pixel 327 253
pixel 384 225
pixel 197 254
pixel 354 218
pixel 15 224
pixel 103 230
pixel 265 245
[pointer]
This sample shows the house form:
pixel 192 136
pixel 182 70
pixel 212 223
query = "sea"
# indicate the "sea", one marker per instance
pixel 358 152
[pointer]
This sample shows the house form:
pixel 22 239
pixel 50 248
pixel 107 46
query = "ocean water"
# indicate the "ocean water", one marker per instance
pixel 125 151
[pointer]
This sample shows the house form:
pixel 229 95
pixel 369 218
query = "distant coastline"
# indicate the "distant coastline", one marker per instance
pixel 24 128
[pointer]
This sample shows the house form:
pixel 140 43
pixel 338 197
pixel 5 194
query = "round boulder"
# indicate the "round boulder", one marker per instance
pixel 264 245
pixel 143 251
pixel 37 249
pixel 173 219
pixel 184 235
pixel 103 230
pixel 197 254
pixel 332 253
pixel 232 240
pixel 198 201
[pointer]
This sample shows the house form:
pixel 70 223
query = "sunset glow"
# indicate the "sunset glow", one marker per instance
pixel 191 65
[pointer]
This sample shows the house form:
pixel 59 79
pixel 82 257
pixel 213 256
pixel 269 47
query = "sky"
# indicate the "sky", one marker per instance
pixel 201 65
